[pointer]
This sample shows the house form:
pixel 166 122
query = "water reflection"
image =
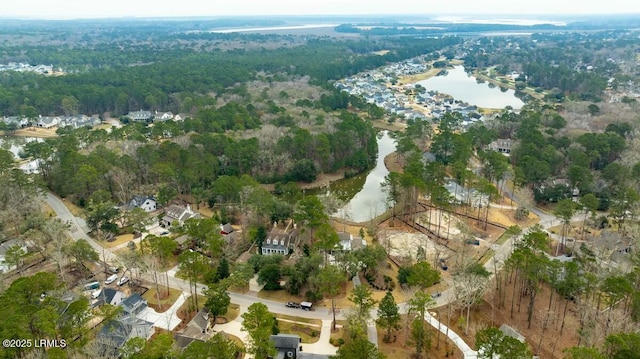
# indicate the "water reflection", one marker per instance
pixel 363 193
pixel 461 86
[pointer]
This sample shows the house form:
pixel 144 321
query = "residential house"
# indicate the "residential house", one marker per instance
pixel 227 232
pixel 140 115
pixel 575 192
pixel 468 196
pixel 163 116
pixel 180 117
pixel 48 122
pixel 79 121
pixel 287 346
pixel 200 326
pixel 349 243
pixel 4 247
pixel 147 203
pixel 109 296
pixel 612 250
pixel 502 145
pixel 127 326
pixel 117 332
pixel 19 122
pixel 280 241
pixel 175 214
pixel 182 341
pixel 428 157
pixel 133 305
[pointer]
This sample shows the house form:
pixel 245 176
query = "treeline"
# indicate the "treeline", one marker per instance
pixel 193 166
pixel 576 66
pixel 166 81
pixel 553 165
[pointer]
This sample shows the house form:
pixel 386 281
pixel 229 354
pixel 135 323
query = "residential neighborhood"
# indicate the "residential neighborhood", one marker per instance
pixel 347 187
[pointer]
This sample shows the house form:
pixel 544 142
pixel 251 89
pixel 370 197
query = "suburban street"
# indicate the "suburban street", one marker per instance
pixel 502 252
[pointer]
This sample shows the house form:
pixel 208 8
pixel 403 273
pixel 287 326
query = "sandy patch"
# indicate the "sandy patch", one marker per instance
pixel 36 132
pixel 434 218
pixel 405 246
pixel 411 79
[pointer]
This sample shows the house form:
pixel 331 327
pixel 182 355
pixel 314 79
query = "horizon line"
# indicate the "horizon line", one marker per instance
pixel 177 17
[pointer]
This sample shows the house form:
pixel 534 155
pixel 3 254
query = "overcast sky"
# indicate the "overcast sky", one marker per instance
pixel 144 8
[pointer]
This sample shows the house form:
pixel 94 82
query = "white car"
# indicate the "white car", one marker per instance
pixel 123 280
pixel 112 278
pixel 96 294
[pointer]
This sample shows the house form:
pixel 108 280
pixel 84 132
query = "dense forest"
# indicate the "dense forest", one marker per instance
pixel 151 77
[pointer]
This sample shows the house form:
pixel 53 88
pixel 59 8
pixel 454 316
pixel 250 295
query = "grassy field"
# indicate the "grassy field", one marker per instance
pixel 123 238
pixel 307 329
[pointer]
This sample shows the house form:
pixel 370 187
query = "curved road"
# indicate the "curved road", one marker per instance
pixel 502 252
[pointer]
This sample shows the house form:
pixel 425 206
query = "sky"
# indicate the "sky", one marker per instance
pixel 70 9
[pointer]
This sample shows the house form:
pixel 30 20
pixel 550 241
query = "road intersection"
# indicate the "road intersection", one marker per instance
pixel 77 230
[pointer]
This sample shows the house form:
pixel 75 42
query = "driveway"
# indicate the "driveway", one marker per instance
pixel 322 346
pixel 167 320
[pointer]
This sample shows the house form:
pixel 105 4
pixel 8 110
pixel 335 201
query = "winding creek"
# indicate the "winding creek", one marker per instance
pixel 363 193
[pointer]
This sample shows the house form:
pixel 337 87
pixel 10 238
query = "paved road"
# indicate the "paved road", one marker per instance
pixel 75 229
pixel 502 252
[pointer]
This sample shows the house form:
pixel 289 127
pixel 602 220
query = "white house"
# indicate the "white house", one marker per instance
pixel 147 203
pixel 163 116
pixel 110 296
pixel 4 247
pixel 48 122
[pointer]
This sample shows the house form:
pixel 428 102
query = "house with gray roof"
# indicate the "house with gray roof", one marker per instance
pixel 147 203
pixel 140 115
pixel 200 326
pixel 349 243
pixel 109 296
pixel 468 196
pixel 133 305
pixel 116 333
pixel 48 122
pixel 287 345
pixel 227 232
pixel 280 241
pixel 511 332
pixel 175 214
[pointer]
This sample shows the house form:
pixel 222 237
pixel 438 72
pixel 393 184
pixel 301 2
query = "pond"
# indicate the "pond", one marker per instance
pixel 461 86
pixel 363 193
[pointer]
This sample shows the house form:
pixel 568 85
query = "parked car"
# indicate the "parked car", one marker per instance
pixel 96 294
pixel 123 280
pixel 306 305
pixel 436 295
pixel 112 278
pixel 92 285
pixel 113 270
pixel 293 305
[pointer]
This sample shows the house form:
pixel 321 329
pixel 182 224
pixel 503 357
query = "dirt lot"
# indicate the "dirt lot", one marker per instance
pixel 399 348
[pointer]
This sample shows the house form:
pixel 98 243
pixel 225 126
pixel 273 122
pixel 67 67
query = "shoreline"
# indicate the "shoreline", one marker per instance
pixel 326 179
